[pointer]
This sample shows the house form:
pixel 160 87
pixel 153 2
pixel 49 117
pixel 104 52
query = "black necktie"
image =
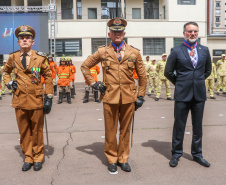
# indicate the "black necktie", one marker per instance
pixel 24 61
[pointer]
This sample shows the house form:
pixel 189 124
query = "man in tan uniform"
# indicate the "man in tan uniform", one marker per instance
pixel 153 76
pixel 211 80
pixel 28 66
pixel 118 62
pixel 221 74
pixel 147 63
pixel 162 79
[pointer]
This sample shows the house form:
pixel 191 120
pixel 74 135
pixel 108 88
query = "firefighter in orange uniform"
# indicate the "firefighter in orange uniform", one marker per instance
pixel 72 78
pixel 64 73
pixel 53 68
pixel 95 70
pixel 118 91
pixel 136 79
pixel 28 93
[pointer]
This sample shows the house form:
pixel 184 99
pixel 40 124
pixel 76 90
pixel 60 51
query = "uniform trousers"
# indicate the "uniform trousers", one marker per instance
pixel 114 113
pixel 159 88
pixel 152 82
pixel 54 82
pixel 181 110
pixel 221 82
pixel 67 89
pixel 210 86
pixel 30 124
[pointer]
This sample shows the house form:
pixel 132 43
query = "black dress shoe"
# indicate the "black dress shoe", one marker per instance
pixel 201 161
pixel 212 97
pixel 125 167
pixel 174 162
pixel 37 166
pixel 156 99
pixel 152 91
pixel 224 92
pixel 112 167
pixel 169 98
pixel 26 166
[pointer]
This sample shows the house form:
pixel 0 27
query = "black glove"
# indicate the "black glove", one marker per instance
pixel 215 80
pixel 139 102
pixel 47 105
pixel 100 87
pixel 12 85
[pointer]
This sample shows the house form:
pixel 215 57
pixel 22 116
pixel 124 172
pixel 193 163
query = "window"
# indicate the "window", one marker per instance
pixel 186 2
pixel 69 47
pixel 217 25
pixel 79 9
pixel 136 13
pixel 218 12
pixel 97 42
pixel 217 19
pixel 34 3
pixel 218 52
pixel 67 9
pixel 179 41
pixel 110 9
pixel 151 9
pixel 153 46
pixel 5 3
pixel 92 13
pixel 218 4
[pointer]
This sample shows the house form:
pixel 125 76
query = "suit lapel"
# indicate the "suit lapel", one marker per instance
pixel 111 52
pixel 128 52
pixel 17 60
pixel 185 51
pixel 199 50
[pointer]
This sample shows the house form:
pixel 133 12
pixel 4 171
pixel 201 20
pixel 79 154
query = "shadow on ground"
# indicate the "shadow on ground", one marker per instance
pixel 96 149
pixel 163 148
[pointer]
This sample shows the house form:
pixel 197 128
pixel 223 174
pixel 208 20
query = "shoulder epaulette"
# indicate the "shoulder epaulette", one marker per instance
pixel 14 52
pixel 101 46
pixel 134 48
pixel 41 54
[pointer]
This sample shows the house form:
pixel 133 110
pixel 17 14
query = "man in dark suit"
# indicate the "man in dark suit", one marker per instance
pixel 187 68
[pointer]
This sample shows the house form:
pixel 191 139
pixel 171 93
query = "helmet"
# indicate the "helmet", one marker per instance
pixel 4 61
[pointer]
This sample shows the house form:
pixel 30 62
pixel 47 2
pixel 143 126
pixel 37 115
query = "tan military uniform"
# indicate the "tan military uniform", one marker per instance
pixel 162 79
pixel 146 65
pixel 221 75
pixel 119 97
pixel 153 77
pixel 28 101
pixel 211 80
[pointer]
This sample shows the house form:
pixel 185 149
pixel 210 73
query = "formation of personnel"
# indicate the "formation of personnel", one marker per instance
pixel 64 74
pixel 95 70
pixel 221 74
pixel 53 68
pixel 210 81
pixel 152 77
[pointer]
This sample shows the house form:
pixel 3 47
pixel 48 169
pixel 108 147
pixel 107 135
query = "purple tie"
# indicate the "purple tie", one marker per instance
pixel 193 59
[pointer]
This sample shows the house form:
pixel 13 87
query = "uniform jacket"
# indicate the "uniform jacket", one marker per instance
pixel 73 71
pixel 221 67
pixel 29 91
pixel 146 65
pixel 118 76
pixel 213 74
pixel 160 69
pixel 95 70
pixel 152 70
pixel 189 81
pixel 64 73
pixel 53 68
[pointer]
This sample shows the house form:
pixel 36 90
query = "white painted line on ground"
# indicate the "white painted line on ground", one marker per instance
pixel 187 133
pixel 100 119
pixel 162 117
pixel 221 114
pixel 147 108
pixel 97 109
pixel 103 137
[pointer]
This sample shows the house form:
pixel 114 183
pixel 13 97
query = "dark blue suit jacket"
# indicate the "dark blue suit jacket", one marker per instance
pixel 189 81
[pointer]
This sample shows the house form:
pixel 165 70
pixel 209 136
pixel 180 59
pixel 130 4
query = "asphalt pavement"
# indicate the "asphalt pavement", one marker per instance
pixel 76 136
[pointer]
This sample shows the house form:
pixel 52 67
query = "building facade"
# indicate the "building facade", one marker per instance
pixel 154 26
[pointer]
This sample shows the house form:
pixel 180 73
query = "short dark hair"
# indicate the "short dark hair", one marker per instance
pixel 191 22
